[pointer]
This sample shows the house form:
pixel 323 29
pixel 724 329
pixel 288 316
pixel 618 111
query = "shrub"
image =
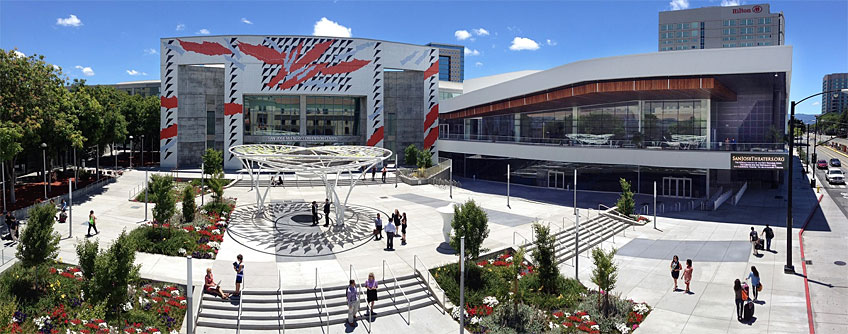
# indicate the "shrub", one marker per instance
pixel 213 162
pixel 114 270
pixel 544 255
pixel 479 283
pixel 519 319
pixel 425 159
pixel 160 240
pixel 189 207
pixel 216 184
pixel 625 203
pixel 164 203
pixel 39 243
pixel 410 155
pixel 605 274
pixel 471 222
pixel 87 253
pixel 566 293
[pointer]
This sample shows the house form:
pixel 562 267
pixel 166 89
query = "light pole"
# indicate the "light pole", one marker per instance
pixel 461 285
pixel 131 150
pixel 789 268
pixel 44 167
pixel 142 151
pixel 4 185
pixel 507 186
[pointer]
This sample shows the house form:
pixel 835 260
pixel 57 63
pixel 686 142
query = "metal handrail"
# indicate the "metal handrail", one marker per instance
pixel 394 291
pixel 360 292
pixel 318 286
pixel 241 302
pixel 282 301
pixel 611 211
pixel 415 261
pixel 514 233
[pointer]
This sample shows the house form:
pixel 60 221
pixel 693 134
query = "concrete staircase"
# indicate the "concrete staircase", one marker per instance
pixel 267 310
pixel 592 232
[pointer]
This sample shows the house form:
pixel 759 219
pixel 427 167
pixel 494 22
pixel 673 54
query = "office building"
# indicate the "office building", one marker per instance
pixel 834 102
pixel 697 131
pixel 297 90
pixel 720 27
pixel 143 87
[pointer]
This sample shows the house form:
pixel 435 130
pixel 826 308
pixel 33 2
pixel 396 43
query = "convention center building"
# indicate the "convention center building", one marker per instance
pixel 698 123
pixel 221 91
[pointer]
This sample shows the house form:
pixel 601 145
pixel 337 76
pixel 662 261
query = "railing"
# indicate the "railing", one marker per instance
pixel 23 213
pixel 427 173
pixel 415 261
pixel 241 302
pixel 394 292
pixel 721 199
pixel 354 276
pixel 135 191
pixel 282 301
pixel 526 241
pixel 739 194
pixel 318 286
pixel 604 141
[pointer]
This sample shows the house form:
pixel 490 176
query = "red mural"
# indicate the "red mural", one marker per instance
pixel 376 137
pixel 431 117
pixel 232 109
pixel 302 68
pixel 168 102
pixel 432 70
pixel 431 137
pixel 169 132
pixel 207 48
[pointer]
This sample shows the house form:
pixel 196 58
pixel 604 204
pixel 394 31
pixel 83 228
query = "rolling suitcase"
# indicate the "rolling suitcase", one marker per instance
pixel 760 245
pixel 748 311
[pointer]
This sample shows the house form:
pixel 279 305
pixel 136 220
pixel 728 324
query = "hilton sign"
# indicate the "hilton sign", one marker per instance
pixel 754 9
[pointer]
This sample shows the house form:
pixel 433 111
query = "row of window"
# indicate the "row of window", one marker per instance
pixel 733 45
pixel 678 41
pixel 733 38
pixel 680 26
pixel 693 33
pixel 747 30
pixel 746 22
pixel 281 115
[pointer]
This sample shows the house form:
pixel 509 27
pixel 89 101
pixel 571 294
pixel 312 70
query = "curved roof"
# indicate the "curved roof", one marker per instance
pixel 318 159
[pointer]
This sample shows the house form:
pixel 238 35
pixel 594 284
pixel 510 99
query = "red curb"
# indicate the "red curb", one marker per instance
pixel 804 265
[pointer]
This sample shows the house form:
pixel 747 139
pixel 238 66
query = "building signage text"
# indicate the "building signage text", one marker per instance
pixel 754 9
pixel 297 138
pixel 757 161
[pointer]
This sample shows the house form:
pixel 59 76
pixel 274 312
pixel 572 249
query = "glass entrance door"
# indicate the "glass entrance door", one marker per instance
pixel 677 187
pixel 556 180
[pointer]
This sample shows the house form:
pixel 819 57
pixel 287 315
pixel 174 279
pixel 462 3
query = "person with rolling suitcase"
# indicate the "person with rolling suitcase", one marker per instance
pixel 739 298
pixel 753 237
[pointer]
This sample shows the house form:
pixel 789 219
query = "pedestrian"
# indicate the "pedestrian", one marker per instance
pixel 92 223
pixel 675 270
pixel 739 298
pixel 753 239
pixel 396 220
pixel 768 233
pixel 754 276
pixel 238 266
pixel 210 286
pixel 326 212
pixel 733 143
pixel 378 228
pixel 371 286
pixel 403 230
pixel 314 213
pixel 390 236
pixel 12 225
pixel 373 172
pixel 384 174
pixel 63 216
pixel 64 205
pixel 687 274
pixel 352 303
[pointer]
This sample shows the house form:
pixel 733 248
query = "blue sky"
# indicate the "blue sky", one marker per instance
pixel 108 42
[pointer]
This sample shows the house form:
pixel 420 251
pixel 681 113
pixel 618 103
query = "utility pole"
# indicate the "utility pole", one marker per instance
pixel 461 285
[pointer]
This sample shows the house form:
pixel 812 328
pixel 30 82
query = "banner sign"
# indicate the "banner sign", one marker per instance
pixel 758 161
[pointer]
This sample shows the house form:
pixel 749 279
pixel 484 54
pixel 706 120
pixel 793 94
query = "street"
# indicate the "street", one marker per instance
pixel 839 192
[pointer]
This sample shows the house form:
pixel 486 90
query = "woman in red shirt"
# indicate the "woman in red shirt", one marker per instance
pixel 210 286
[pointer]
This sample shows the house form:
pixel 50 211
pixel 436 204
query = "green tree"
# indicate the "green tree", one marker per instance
pixel 164 204
pixel 604 275
pixel 39 243
pixel 188 204
pixel 114 270
pixel 87 254
pixel 625 203
pixel 410 155
pixel 216 184
pixel 471 222
pixel 544 255
pixel 213 162
pixel 425 159
pixel 516 267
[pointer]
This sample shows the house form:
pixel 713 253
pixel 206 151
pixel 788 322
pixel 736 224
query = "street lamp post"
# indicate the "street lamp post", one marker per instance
pixel 44 167
pixel 142 151
pixel 131 150
pixel 789 268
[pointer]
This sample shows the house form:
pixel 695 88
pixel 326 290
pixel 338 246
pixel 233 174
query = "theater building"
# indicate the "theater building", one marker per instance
pixel 220 91
pixel 675 118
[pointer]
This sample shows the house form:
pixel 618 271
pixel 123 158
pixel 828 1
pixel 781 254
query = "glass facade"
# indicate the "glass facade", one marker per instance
pixel 271 115
pixel 444 68
pixel 332 115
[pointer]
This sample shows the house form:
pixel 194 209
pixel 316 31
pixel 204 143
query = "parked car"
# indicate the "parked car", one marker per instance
pixel 821 164
pixel 835 163
pixel 834 175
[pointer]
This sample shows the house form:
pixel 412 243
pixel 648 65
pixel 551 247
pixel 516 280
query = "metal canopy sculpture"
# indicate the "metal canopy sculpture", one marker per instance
pixel 320 161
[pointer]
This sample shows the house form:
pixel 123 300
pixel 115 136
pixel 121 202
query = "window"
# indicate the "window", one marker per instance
pixel 271 115
pixel 748 30
pixel 332 115
pixel 694 33
pixel 764 29
pixel 210 122
pixel 765 20
pixel 729 23
pixel 728 45
pixel 746 22
pixel 444 68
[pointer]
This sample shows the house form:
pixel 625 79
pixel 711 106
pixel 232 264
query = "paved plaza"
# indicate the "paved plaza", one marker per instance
pixel 281 238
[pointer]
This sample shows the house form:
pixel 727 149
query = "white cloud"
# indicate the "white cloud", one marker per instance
pixel 19 54
pixel 150 51
pixel 480 32
pixel 523 43
pixel 462 35
pixel 134 72
pixel 180 27
pixel 727 3
pixel 70 21
pixel 245 20
pixel 87 71
pixel 551 42
pixel 56 67
pixel 325 27
pixel 817 103
pixel 679 4
pixel 471 52
pixel 203 31
pixel 478 64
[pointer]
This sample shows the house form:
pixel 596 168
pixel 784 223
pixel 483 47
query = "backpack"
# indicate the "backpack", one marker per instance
pixel 769 233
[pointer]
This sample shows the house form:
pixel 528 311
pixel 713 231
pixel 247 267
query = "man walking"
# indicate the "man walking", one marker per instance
pixel 768 234
pixel 390 236
pixel 92 223
pixel 378 228
pixel 327 212
pixel 352 303
pixel 753 239
pixel 384 174
pixel 373 172
pixel 314 213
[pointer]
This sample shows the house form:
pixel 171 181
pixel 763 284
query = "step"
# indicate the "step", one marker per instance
pixel 589 244
pixel 337 293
